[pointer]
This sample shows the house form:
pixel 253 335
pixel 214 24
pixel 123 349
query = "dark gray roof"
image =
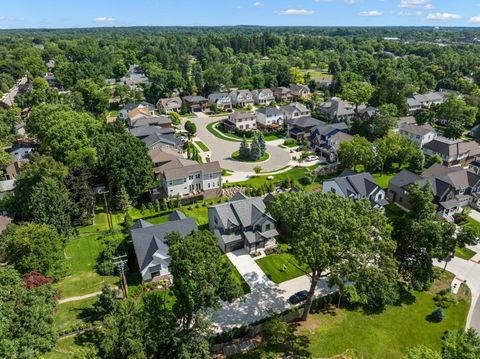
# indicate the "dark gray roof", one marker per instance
pixel 176 216
pixel 148 238
pixel 195 98
pixel 326 129
pixel 306 122
pixel 421 130
pixel 359 184
pixel 270 111
pixel 214 97
pixel 406 178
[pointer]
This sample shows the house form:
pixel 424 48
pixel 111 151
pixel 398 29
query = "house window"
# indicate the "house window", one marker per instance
pixel 208 184
pixel 155 274
pixel 267 227
pixel 170 183
pixel 190 177
pixel 197 175
pixel 215 219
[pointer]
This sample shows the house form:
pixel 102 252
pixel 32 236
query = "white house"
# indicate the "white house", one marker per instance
pixel 245 121
pixel 221 101
pixel 241 98
pixel 270 117
pixel 418 134
pixel 263 97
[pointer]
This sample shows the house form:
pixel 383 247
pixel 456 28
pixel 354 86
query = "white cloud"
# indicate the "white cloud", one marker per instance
pixel 410 13
pixel 351 2
pixel 414 3
pixel 104 19
pixel 474 19
pixel 370 13
pixel 296 12
pixel 257 4
pixel 443 16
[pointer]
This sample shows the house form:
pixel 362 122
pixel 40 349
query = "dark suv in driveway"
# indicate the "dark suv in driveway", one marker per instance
pixel 298 297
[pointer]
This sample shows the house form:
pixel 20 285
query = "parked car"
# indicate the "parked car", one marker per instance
pixel 298 297
pixel 312 158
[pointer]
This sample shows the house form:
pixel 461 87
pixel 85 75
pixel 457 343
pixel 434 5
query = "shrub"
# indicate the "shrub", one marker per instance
pixel 445 298
pixel 289 142
pixel 437 315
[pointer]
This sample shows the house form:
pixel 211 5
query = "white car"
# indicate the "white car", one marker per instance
pixel 311 158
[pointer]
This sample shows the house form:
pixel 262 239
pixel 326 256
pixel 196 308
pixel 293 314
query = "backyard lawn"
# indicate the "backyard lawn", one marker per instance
pixel 384 335
pixel 464 253
pixel 273 267
pixel 82 253
pixel 474 224
pixel 70 313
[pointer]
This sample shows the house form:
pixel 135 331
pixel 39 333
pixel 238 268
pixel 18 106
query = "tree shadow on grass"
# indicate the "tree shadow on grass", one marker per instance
pixel 405 297
pixel 93 337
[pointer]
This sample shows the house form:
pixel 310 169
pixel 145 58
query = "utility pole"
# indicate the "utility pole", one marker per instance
pixel 121 262
pixel 109 216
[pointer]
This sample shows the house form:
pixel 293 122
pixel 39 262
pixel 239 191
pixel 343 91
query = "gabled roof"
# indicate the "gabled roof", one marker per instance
pixel 148 239
pixel 270 111
pixel 420 130
pixel 448 147
pixel 214 97
pixel 170 102
pixel 405 178
pixel 176 216
pixel 295 106
pixel 359 184
pixel 195 98
pixel 241 211
pixel 326 129
pixel 306 122
pixel 337 107
pixel 183 172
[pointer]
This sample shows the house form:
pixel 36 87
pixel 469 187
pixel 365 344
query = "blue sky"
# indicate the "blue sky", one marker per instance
pixel 91 13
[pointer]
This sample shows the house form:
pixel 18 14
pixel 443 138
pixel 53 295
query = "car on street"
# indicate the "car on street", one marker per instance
pixel 312 158
pixel 298 297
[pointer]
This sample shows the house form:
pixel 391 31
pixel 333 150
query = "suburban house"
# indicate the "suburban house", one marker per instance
pixel 20 154
pixel 367 113
pixel 282 94
pixel 142 117
pixel 163 158
pixel 326 139
pixel 221 101
pixel 402 121
pixel 420 101
pixel 453 188
pixel 337 110
pixel 270 118
pixel 357 186
pixel 452 152
pixel 399 187
pixel 156 137
pixel 135 76
pixel 169 105
pixel 420 134
pixel 246 121
pixel 299 92
pixel 263 97
pixel 295 110
pixel 196 103
pixel 150 247
pixel 242 222
pixel 8 99
pixel 241 98
pixel 301 127
pixel 194 181
pixel 148 107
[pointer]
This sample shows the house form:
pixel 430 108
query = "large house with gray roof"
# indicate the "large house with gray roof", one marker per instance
pixel 242 223
pixel 270 118
pixel 169 105
pixel 357 186
pixel 196 103
pixel 418 102
pixel 452 152
pixel 420 134
pixel 295 110
pixel 241 98
pixel 156 137
pixel 263 97
pixel 301 127
pixel 337 110
pixel 150 248
pixel 453 188
pixel 221 101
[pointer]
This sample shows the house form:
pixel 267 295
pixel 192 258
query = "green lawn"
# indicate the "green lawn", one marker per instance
pixel 237 276
pixel 82 253
pixel 295 173
pixel 473 223
pixel 202 146
pixel 101 224
pixel 236 157
pixel 388 334
pixel 217 132
pixel 65 348
pixel 70 313
pixel 316 74
pixel 464 253
pixel 272 266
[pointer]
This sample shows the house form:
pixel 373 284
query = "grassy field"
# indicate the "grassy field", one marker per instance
pixel 272 266
pixel 473 223
pixel 70 313
pixel 82 253
pixel 316 74
pixel 383 335
pixel 236 157
pixel 202 146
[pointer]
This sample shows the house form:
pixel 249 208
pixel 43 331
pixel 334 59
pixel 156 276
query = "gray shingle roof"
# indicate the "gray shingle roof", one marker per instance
pixel 270 111
pixel 406 178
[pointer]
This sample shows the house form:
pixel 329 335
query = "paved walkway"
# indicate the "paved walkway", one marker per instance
pixel 79 297
pixel 265 296
pixel 221 150
pixel 469 273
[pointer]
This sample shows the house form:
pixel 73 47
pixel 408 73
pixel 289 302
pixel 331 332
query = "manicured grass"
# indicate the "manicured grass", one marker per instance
pixel 199 214
pixel 82 254
pixel 316 74
pixel 272 266
pixel 390 333
pixel 271 137
pixel 474 224
pixel 236 157
pixel 295 173
pixel 101 224
pixel 202 146
pixel 70 313
pixel 383 180
pixel 464 253
pixel 65 348
pixel 237 276
pixel 212 128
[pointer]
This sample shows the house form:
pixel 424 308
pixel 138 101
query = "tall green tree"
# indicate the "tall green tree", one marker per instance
pixel 79 184
pixel 341 241
pixel 33 247
pixel 356 152
pixel 357 92
pixel 461 344
pixel 457 116
pixel 244 151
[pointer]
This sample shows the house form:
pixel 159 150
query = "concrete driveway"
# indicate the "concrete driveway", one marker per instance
pixel 221 150
pixel 265 296
pixel 469 272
